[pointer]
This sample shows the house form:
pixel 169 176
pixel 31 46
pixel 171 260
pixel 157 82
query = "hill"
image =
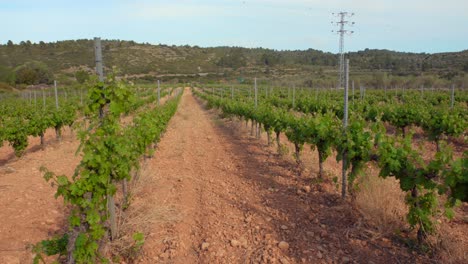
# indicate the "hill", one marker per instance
pixel 148 61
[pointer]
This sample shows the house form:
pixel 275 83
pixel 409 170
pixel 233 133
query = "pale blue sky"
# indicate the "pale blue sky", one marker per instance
pixel 403 25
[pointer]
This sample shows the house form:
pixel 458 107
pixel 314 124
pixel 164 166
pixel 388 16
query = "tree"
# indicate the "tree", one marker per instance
pixel 234 58
pixel 81 76
pixel 10 43
pixel 33 72
pixel 7 75
pixel 465 67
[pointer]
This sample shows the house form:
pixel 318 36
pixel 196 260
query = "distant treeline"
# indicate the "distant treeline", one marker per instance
pixel 131 58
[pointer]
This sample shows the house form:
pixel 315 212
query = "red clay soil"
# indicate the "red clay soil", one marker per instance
pixel 29 212
pixel 232 200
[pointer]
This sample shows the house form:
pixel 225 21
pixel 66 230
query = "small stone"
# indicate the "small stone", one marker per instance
pixel 164 255
pixel 311 234
pixel 284 261
pixel 283 245
pixel 221 253
pixel 306 189
pixel 319 255
pixel 284 227
pixel 235 243
pixel 9 169
pixel 243 242
pixel 205 245
pixel 345 260
pixel 323 233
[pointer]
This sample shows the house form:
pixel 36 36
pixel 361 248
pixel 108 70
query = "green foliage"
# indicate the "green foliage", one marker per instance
pixel 456 180
pixel 20 119
pixel 33 72
pixel 109 153
pixel 82 76
pixel 322 134
pixel 317 119
pixel 7 75
pixel 445 122
pixel 234 58
pixel 422 181
pixel 357 143
pixel 50 247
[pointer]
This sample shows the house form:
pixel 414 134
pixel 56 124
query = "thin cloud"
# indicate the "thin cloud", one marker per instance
pixel 156 11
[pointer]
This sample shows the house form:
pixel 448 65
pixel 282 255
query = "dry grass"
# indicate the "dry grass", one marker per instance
pixel 140 217
pixel 452 247
pixel 382 201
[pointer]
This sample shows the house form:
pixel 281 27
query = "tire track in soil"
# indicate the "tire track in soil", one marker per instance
pixel 233 201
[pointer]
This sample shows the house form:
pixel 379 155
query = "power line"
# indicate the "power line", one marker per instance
pixel 342 31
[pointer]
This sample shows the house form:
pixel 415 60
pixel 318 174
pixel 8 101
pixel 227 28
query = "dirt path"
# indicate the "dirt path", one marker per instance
pixel 228 199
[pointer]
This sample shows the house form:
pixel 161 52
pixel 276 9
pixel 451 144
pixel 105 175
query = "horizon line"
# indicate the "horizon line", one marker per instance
pixel 227 46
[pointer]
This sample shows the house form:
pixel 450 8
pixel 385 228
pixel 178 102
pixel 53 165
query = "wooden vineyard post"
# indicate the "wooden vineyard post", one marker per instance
pixel 56 95
pixel 159 92
pixel 98 58
pixel 43 100
pixel 58 133
pixel 294 96
pixel 316 93
pixel 43 109
pixel 255 87
pixel 452 96
pixel 257 126
pixel 110 198
pixel 345 125
pixel 352 87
